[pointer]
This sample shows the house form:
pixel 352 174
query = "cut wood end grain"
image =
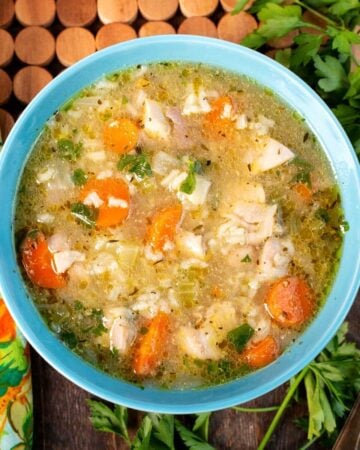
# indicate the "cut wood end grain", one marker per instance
pixel 35 46
pixel 191 8
pixel 29 81
pixel 7 11
pixel 76 13
pixel 73 44
pixel 201 26
pixel 156 28
pixel 35 12
pixel 235 28
pixel 158 9
pixel 6 48
pixel 114 33
pixel 5 87
pixel 6 123
pixel 124 11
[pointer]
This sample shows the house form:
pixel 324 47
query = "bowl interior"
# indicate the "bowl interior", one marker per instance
pixel 292 91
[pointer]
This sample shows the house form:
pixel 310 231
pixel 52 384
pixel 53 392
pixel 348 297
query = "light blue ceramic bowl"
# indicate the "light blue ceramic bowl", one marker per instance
pixel 267 73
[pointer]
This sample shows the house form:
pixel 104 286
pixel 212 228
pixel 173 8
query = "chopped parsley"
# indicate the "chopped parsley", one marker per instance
pixel 137 164
pixel 240 336
pixel 79 177
pixel 84 214
pixel 189 184
pixel 68 150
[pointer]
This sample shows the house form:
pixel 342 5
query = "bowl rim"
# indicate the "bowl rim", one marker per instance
pixel 237 391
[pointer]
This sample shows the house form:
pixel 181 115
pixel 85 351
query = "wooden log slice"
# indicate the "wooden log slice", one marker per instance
pixel 35 12
pixel 73 44
pixel 7 11
pixel 192 8
pixel 110 11
pixel 6 123
pixel 76 13
pixel 5 87
pixel 29 81
pixel 235 28
pixel 229 5
pixel 201 26
pixel 158 9
pixel 6 48
pixel 114 33
pixel 35 46
pixel 156 28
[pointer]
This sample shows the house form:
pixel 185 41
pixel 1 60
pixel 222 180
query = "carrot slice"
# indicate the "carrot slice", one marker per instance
pixel 290 301
pixel 150 349
pixel 114 193
pixel 163 226
pixel 217 122
pixel 303 192
pixel 262 353
pixel 121 135
pixel 38 262
pixel 7 325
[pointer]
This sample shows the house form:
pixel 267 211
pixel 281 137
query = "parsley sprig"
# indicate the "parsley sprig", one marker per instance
pixel 324 60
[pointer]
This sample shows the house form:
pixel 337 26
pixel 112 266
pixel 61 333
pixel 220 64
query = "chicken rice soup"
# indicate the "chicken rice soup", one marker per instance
pixel 178 225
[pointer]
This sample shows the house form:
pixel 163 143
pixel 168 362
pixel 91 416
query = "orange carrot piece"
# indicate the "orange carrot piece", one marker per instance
pixel 150 349
pixel 262 353
pixel 163 226
pixel 121 135
pixel 7 325
pixel 290 301
pixel 38 262
pixel 217 292
pixel 215 121
pixel 303 192
pixel 108 189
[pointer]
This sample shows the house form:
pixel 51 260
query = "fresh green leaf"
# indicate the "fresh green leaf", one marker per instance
pixel 308 46
pixel 254 40
pixel 331 72
pixel 84 214
pixel 137 164
pixel 163 425
pixel 316 414
pixel 343 39
pixel 190 439
pixel 143 436
pixel 201 425
pixel 68 150
pixel 112 421
pixel 79 177
pixel 240 336
pixel 341 7
pixel 239 6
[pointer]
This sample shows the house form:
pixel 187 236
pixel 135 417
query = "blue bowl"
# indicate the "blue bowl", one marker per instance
pixel 292 91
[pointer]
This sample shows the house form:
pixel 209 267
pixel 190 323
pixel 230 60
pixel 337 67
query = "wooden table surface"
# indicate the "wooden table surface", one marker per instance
pixel 62 416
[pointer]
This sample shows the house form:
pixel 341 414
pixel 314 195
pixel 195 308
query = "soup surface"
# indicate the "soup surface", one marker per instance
pixel 178 225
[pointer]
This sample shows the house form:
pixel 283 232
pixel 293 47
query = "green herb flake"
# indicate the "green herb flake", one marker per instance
pixel 79 177
pixel 68 150
pixel 323 215
pixel 240 336
pixel 84 214
pixel 189 184
pixel 246 259
pixel 137 164
pixel 69 338
pixel 344 226
pixel 302 177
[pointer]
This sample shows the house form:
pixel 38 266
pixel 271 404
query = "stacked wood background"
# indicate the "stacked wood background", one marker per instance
pixel 38 39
